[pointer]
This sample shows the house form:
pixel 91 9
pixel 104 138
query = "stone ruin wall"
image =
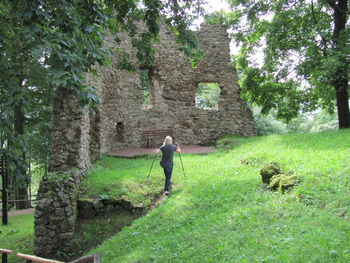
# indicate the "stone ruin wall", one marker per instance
pixel 81 136
pixel 173 86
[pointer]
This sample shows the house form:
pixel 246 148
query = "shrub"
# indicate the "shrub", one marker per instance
pixel 267 124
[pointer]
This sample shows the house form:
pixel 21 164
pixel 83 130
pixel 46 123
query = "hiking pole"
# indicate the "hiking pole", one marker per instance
pixel 151 166
pixel 183 170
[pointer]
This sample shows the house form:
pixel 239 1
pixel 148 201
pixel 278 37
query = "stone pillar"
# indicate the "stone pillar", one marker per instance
pixel 56 213
pixel 70 134
pixel 56 210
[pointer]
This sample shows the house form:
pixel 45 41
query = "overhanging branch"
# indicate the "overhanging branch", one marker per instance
pixel 332 3
pixel 324 41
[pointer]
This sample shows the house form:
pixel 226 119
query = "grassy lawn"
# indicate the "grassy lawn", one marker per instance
pixel 18 236
pixel 223 214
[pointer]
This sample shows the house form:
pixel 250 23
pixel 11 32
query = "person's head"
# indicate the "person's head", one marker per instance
pixel 168 140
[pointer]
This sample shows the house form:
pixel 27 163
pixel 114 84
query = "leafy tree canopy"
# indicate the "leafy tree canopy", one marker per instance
pixel 207 95
pixel 306 54
pixel 68 36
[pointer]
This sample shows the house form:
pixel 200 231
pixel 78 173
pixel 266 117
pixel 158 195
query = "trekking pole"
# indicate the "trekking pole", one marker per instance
pixel 183 170
pixel 151 167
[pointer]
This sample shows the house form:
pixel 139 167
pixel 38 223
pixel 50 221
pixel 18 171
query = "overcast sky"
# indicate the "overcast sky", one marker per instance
pixel 216 5
pixel 212 6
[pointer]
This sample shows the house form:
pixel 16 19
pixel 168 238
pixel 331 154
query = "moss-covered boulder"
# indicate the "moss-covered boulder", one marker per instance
pixel 283 182
pixel 268 171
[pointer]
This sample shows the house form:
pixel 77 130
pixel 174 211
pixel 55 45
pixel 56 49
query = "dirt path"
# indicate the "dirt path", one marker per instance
pixel 20 212
pixel 158 201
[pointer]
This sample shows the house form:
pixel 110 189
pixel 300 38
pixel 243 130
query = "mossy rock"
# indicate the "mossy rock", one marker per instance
pixel 283 182
pixel 268 171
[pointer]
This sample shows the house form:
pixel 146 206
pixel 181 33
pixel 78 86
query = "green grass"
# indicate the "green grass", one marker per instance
pixel 18 236
pixel 92 232
pixel 223 214
pixel 121 178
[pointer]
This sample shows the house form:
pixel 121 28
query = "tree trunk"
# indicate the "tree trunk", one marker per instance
pixel 343 105
pixel 22 182
pixel 4 177
pixel 341 82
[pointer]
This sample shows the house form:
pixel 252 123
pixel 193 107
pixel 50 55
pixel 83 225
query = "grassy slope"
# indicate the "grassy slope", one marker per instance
pixel 18 236
pixel 224 215
pixel 124 178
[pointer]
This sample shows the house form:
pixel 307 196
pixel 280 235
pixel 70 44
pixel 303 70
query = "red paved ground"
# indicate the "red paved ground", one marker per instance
pixel 132 152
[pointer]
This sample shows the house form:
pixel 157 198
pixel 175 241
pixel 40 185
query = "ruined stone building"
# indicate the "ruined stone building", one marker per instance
pixel 80 137
pixel 121 118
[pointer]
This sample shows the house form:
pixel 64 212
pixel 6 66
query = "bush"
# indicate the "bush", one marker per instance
pixel 267 124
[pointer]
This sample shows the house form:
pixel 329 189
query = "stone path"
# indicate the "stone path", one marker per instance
pixel 132 152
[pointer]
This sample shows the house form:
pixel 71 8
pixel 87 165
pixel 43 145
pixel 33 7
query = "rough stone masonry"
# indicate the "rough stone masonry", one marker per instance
pixel 173 85
pixel 80 137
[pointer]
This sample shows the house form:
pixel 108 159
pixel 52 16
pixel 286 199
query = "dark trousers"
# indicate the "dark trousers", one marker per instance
pixel 168 170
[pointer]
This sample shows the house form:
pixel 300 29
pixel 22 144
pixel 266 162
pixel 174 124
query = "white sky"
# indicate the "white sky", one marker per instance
pixel 216 5
pixel 213 6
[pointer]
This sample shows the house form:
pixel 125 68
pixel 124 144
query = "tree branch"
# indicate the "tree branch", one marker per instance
pixel 324 41
pixel 332 3
pixel 336 7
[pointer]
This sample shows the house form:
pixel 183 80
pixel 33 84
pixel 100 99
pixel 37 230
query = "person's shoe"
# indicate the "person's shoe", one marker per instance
pixel 166 192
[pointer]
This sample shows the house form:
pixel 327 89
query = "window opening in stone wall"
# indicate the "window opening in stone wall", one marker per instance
pixel 145 79
pixel 207 96
pixel 120 131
